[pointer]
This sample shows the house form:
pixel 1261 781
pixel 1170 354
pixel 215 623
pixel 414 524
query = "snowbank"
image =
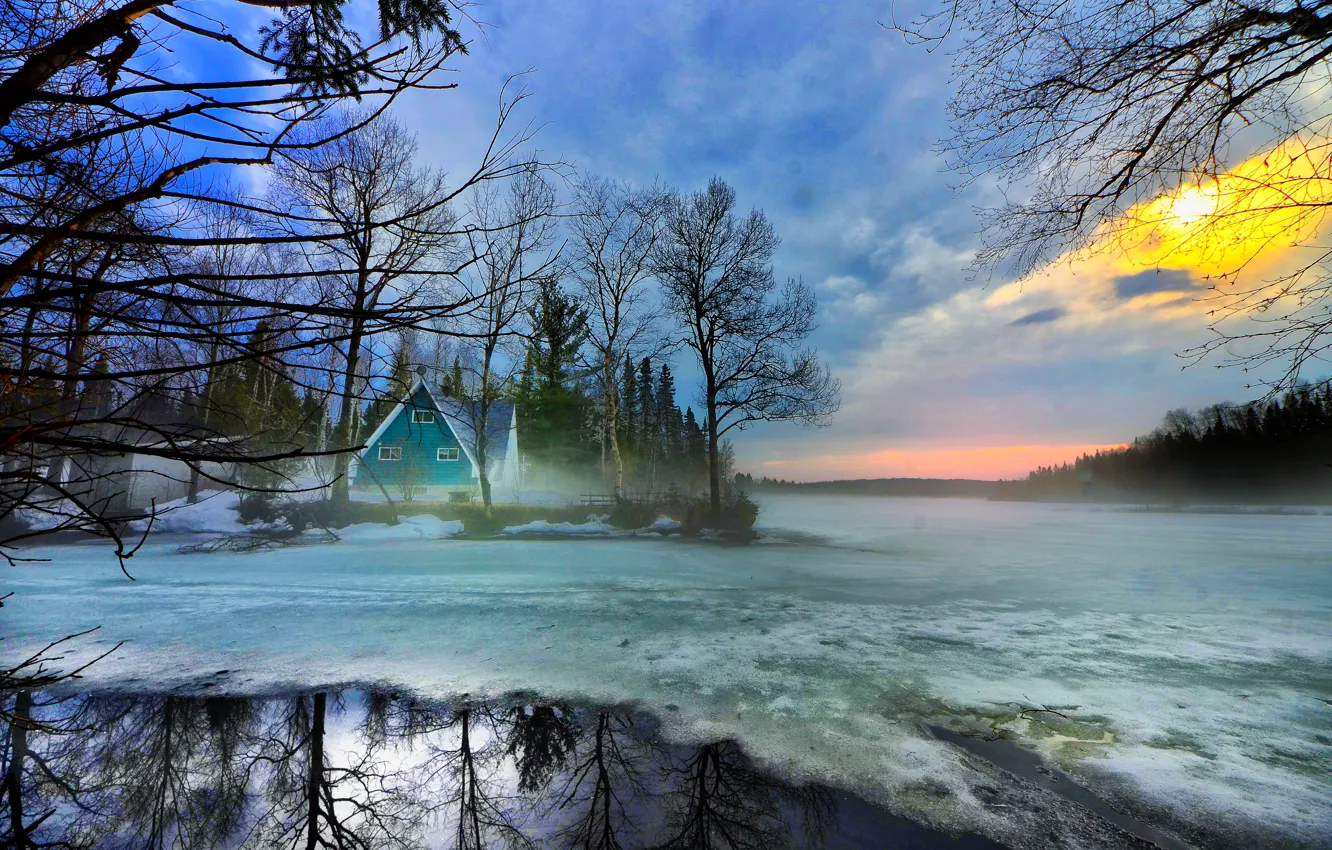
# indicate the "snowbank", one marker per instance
pixel 664 524
pixel 595 525
pixel 216 512
pixel 423 527
pixel 48 515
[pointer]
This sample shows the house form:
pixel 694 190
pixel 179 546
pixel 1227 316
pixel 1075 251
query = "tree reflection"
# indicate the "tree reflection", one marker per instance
pixel 722 801
pixel 606 774
pixel 472 796
pixel 182 784
pixel 541 739
pixel 362 802
pixel 376 769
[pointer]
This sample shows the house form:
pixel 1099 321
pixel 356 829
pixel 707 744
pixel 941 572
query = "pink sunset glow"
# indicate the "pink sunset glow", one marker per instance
pixel 984 462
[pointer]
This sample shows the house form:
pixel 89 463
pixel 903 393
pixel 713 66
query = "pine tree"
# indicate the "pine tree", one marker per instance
pixel 695 451
pixel 552 402
pixel 648 449
pixel 559 329
pixel 628 420
pixel 671 424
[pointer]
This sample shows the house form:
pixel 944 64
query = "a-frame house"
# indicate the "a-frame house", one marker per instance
pixel 427 446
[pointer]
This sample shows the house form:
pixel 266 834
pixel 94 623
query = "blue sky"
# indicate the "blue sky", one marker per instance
pixel 827 121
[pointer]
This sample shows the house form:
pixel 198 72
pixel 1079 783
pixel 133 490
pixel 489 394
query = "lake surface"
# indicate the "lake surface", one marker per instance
pixel 1175 665
pixel 357 768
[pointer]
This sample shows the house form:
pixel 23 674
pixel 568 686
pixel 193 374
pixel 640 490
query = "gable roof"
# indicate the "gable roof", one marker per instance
pixel 460 416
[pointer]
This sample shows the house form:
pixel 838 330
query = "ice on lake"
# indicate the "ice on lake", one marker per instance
pixel 1177 664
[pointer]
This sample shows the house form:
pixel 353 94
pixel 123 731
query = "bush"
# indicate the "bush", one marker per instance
pixel 461 497
pixel 737 515
pixel 744 512
pixel 629 513
pixel 324 513
pixel 258 507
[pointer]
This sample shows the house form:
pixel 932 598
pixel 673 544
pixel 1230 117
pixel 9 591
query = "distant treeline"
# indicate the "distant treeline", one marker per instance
pixel 940 487
pixel 1272 451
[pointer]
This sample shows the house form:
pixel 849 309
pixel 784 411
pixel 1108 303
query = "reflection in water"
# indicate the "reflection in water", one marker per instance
pixel 364 769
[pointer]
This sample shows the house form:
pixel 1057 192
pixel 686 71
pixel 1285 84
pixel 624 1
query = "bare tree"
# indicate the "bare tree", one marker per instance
pixel 616 229
pixel 108 156
pixel 716 272
pixel 1086 113
pixel 319 797
pixel 512 237
pixel 389 224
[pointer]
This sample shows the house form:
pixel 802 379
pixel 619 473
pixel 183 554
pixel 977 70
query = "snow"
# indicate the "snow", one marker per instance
pixel 1199 644
pixel 596 526
pixel 664 524
pixel 49 514
pixel 423 527
pixel 214 513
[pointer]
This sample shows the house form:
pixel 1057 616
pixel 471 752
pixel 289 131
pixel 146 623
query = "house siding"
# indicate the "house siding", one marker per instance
pixel 420 443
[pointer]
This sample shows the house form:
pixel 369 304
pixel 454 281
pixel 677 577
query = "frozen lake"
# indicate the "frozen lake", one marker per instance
pixel 1178 665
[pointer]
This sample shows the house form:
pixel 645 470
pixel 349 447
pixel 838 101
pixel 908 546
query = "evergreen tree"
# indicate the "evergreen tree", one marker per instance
pixel 559 329
pixel 695 451
pixel 628 419
pixel 552 403
pixel 647 425
pixel 1277 450
pixel 671 423
pixel 451 383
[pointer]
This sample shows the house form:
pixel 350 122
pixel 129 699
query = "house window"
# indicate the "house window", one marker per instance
pixel 390 452
pixel 446 454
pixel 423 417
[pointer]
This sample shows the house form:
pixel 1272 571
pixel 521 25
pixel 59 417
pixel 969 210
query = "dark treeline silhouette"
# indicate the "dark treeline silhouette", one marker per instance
pixel 374 769
pixel 1268 451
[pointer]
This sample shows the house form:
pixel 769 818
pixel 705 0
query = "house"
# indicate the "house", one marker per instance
pixel 137 480
pixel 427 446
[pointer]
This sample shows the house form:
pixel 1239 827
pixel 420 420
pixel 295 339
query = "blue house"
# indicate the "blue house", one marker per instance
pixel 427 447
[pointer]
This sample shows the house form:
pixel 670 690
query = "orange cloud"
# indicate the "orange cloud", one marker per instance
pixel 1248 216
pixel 985 462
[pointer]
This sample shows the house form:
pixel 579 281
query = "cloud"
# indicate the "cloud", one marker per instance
pixel 1039 317
pixel 832 136
pixel 1152 281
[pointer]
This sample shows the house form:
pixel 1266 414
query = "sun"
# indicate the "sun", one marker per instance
pixel 1249 217
pixel 1191 205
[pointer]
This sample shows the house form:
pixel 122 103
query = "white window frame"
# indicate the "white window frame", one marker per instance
pixel 439 455
pixel 420 416
pixel 394 453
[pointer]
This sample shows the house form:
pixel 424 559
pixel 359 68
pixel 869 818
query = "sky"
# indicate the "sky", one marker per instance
pixel 828 122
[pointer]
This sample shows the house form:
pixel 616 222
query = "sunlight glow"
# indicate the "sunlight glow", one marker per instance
pixel 1217 225
pixel 1192 204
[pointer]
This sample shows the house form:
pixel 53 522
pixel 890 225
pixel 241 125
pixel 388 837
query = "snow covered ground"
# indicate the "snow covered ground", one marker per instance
pixel 1188 655
pixel 215 512
pixel 596 526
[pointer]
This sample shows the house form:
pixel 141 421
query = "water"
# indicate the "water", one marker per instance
pixel 1176 665
pixel 381 769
